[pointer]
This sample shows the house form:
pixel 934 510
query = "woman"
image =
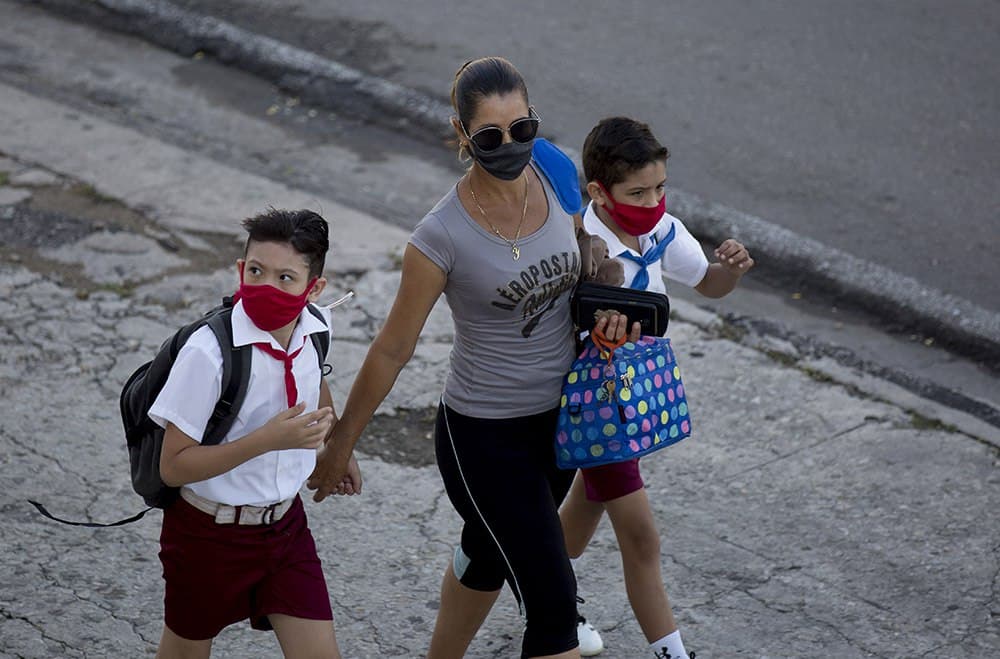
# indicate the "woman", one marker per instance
pixel 504 253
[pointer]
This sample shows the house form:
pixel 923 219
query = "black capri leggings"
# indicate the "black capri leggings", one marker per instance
pixel 501 476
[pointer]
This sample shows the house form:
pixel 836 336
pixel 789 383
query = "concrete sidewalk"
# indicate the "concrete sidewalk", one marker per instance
pixel 804 518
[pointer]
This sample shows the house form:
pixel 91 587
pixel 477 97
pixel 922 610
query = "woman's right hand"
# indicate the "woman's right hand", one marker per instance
pixel 420 286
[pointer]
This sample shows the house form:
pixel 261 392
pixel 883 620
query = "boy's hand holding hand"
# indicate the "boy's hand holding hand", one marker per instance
pixel 734 257
pixel 292 429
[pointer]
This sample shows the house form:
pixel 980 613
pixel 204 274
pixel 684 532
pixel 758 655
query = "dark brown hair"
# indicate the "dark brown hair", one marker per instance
pixel 307 233
pixel 479 78
pixel 618 146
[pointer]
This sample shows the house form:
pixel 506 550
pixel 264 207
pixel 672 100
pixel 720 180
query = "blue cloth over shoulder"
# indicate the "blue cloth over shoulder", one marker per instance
pixel 561 172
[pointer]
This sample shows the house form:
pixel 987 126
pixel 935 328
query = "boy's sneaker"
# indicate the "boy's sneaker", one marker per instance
pixel 591 643
pixel 666 655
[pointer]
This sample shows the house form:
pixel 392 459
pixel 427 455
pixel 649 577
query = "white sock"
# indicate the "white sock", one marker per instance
pixel 669 647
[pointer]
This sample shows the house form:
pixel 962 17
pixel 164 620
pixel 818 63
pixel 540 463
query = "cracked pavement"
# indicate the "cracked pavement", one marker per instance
pixel 808 515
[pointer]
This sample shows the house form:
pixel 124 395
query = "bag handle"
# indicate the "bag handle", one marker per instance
pixel 606 344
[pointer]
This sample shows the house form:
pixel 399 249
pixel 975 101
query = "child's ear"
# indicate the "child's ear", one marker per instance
pixel 317 289
pixel 240 264
pixel 596 193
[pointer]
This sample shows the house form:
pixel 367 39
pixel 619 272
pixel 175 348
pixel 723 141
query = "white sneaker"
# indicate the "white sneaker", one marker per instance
pixel 591 643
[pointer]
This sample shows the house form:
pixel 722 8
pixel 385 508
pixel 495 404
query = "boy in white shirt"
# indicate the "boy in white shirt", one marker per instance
pixel 625 167
pixel 236 544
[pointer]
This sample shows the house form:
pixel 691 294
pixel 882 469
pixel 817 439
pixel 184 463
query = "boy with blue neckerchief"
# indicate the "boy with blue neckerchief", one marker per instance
pixel 625 168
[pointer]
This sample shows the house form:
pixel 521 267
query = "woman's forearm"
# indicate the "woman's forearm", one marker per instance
pixel 373 383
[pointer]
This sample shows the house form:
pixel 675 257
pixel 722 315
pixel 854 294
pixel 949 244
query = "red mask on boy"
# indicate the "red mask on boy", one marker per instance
pixel 635 220
pixel 268 307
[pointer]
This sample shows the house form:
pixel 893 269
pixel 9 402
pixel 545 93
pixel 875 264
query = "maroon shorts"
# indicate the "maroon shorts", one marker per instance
pixel 218 574
pixel 611 481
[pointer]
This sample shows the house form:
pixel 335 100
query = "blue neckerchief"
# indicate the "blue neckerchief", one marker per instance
pixel 651 256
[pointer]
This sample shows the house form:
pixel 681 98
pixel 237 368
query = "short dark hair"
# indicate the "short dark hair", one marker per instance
pixel 304 230
pixel 618 146
pixel 479 78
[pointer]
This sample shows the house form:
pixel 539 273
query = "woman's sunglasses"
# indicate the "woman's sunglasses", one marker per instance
pixel 520 130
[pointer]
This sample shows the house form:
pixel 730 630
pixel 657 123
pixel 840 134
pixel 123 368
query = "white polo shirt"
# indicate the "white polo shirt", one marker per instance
pixel 683 260
pixel 194 386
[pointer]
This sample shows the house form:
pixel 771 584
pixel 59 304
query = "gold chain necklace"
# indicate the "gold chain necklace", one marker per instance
pixel 515 251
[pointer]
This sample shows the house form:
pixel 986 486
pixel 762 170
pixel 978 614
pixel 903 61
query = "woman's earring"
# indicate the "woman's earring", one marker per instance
pixel 464 152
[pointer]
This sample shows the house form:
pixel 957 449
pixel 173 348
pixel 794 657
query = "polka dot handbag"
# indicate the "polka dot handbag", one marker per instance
pixel 619 402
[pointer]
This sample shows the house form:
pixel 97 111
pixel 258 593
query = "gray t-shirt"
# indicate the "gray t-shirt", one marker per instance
pixel 513 334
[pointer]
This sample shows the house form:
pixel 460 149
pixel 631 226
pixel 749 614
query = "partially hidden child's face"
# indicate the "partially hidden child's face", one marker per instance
pixel 279 265
pixel 642 187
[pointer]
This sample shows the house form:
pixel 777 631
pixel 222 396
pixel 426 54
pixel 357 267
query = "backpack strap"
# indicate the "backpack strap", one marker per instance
pixel 236 363
pixel 95 525
pixel 321 340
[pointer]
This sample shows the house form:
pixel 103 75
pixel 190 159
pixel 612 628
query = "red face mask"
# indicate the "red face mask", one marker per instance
pixel 268 307
pixel 635 220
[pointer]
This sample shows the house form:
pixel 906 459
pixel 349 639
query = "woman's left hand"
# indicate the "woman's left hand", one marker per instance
pixel 614 325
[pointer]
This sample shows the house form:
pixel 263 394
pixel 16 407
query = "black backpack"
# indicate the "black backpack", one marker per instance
pixel 144 438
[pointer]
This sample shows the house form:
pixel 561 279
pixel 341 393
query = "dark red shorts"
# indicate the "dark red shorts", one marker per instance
pixel 218 574
pixel 611 481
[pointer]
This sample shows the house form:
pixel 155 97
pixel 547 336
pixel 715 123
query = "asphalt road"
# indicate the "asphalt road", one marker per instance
pixel 871 127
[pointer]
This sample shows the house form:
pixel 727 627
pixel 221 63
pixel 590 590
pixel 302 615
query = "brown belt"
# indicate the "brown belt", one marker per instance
pixel 242 515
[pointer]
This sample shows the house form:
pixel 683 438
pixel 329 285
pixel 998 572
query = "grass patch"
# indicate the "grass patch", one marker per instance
pixel 732 332
pixel 121 290
pixel 921 422
pixel 4 178
pixel 90 192
pixel 782 358
pixel 817 375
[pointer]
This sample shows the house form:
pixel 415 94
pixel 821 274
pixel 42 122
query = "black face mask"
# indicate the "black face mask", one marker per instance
pixel 507 161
